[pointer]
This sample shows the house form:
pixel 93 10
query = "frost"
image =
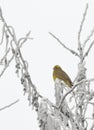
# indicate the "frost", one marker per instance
pixel 70 111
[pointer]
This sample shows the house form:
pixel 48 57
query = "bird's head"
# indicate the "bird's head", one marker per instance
pixel 56 67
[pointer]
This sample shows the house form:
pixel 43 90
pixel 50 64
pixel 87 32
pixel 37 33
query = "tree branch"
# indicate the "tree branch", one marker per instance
pixel 72 51
pixel 88 38
pixel 87 52
pixel 63 98
pixel 25 39
pixel 9 105
pixel 81 26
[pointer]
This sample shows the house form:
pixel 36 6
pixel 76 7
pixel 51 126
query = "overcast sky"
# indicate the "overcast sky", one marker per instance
pixel 62 18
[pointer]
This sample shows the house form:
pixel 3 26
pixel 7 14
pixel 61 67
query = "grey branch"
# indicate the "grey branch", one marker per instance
pixel 88 38
pixel 27 35
pixel 4 56
pixel 81 26
pixel 9 105
pixel 3 32
pixel 87 52
pixel 6 66
pixel 72 51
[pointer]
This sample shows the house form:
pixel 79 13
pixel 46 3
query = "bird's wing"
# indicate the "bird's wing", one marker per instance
pixel 62 75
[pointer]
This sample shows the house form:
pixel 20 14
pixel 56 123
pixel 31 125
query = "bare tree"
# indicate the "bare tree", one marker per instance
pixel 59 116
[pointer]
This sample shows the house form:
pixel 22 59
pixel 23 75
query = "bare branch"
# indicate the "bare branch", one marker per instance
pixel 6 66
pixel 3 32
pixel 0 11
pixel 4 56
pixel 8 27
pixel 9 105
pixel 27 35
pixel 72 51
pixel 87 52
pixel 81 26
pixel 24 39
pixel 88 38
pixel 11 57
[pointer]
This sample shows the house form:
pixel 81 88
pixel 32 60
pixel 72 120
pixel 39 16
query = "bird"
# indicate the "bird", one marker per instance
pixel 60 74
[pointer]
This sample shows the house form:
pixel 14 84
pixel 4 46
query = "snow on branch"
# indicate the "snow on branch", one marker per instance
pixel 21 64
pixel 63 98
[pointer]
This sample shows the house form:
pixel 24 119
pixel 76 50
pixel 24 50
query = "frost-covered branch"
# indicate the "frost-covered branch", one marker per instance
pixel 63 98
pixel 80 29
pixel 72 51
pixel 88 38
pixel 21 64
pixel 87 52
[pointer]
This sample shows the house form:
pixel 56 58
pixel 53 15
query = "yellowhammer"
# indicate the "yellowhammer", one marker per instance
pixel 60 74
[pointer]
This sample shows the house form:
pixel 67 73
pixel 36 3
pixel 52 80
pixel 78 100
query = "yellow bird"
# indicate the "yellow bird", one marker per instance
pixel 60 74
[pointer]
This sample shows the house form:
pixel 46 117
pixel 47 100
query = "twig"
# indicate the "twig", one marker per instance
pixel 3 20
pixel 81 26
pixel 6 66
pixel 14 55
pixel 72 51
pixel 5 55
pixel 24 39
pixel 87 52
pixel 0 11
pixel 3 31
pixel 63 98
pixel 9 105
pixel 88 38
pixel 15 40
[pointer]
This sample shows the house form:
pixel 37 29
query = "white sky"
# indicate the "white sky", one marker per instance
pixel 62 18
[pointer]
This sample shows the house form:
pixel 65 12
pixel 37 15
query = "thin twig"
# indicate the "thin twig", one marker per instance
pixel 3 32
pixel 14 55
pixel 20 42
pixel 88 38
pixel 5 55
pixel 8 27
pixel 14 39
pixel 72 51
pixel 81 26
pixel 0 11
pixel 9 105
pixel 6 66
pixel 87 52
pixel 12 58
